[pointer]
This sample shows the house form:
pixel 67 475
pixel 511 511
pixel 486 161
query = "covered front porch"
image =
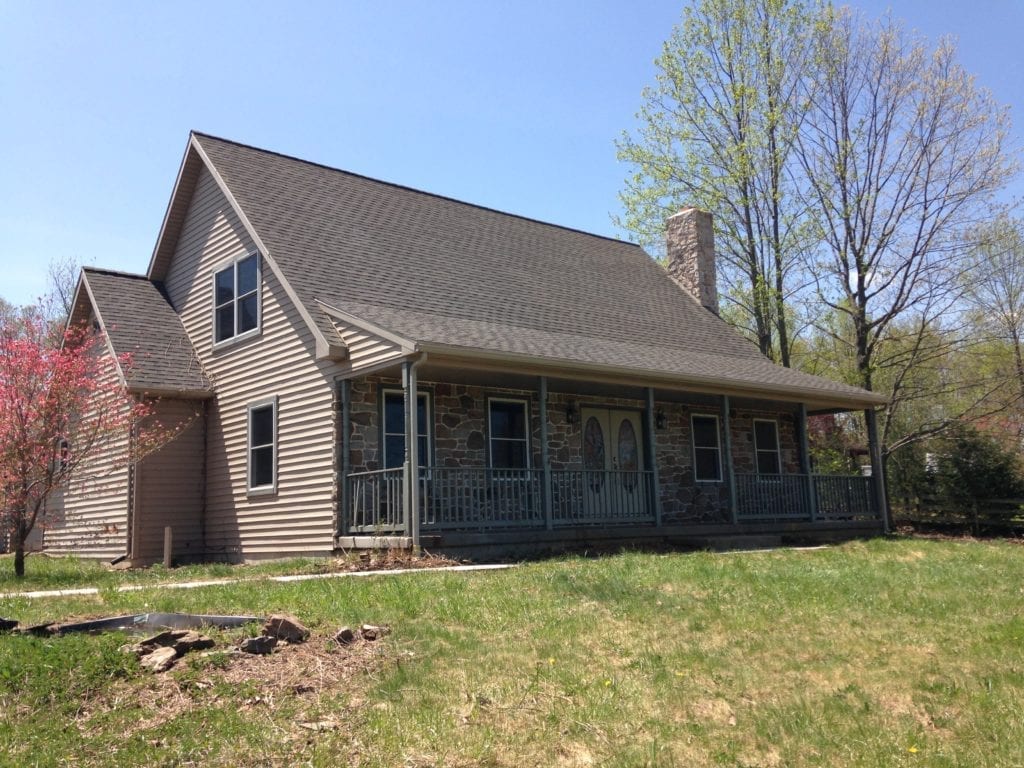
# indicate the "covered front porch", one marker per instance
pixel 519 456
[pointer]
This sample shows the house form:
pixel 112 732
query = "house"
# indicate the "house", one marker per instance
pixel 551 386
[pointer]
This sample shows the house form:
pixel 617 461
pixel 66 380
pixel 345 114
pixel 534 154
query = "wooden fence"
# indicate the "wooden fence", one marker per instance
pixel 999 517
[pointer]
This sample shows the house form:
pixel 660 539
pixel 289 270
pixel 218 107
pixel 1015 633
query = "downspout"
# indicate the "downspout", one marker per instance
pixel 412 460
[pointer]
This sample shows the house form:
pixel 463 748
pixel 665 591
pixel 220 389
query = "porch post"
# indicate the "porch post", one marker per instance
pixel 344 445
pixel 410 469
pixel 877 470
pixel 730 473
pixel 652 458
pixel 805 463
pixel 545 454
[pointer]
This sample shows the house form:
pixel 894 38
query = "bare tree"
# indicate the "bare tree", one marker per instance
pixel 994 286
pixel 902 153
pixel 62 280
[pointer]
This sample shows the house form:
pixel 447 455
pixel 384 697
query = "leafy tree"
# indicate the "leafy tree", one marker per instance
pixel 971 465
pixel 717 130
pixel 61 405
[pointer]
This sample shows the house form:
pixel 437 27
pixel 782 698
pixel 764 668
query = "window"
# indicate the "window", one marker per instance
pixel 766 447
pixel 509 434
pixel 707 456
pixel 263 445
pixel 394 428
pixel 236 298
pixel 63 458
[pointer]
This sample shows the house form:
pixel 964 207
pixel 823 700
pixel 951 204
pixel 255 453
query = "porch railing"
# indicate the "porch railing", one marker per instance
pixel 601 497
pixel 842 497
pixel 479 498
pixel 787 497
pixel 772 497
pixel 375 501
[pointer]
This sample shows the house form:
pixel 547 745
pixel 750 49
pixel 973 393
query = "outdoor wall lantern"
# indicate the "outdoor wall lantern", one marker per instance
pixel 660 419
pixel 571 414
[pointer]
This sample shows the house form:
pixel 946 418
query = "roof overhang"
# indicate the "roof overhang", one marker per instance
pixel 815 400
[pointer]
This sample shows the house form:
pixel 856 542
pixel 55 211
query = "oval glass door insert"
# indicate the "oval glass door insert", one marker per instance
pixel 593 453
pixel 628 454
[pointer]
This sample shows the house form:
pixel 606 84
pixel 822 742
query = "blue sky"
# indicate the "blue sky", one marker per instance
pixel 512 104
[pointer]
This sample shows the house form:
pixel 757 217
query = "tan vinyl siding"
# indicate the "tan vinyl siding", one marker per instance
pixel 280 361
pixel 365 349
pixel 94 518
pixel 169 486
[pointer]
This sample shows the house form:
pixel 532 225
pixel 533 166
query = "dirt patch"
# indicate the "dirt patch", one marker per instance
pixel 717 711
pixel 301 673
pixel 387 560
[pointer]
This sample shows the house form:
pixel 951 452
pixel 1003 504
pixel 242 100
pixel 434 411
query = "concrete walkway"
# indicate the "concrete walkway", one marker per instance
pixel 282 579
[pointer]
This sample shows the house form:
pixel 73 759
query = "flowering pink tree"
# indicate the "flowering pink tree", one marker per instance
pixel 61 402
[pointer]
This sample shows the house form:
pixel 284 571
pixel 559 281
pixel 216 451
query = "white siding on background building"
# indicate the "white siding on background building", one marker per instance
pixel 299 517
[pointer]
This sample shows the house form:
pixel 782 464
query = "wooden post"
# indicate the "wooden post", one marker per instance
pixel 412 461
pixel 877 471
pixel 406 474
pixel 730 474
pixel 168 546
pixel 545 455
pixel 805 463
pixel 652 458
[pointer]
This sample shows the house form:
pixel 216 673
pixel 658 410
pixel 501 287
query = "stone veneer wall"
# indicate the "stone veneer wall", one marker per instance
pixel 460 438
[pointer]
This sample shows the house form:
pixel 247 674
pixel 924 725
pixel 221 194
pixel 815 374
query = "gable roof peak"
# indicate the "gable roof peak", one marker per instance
pixel 405 187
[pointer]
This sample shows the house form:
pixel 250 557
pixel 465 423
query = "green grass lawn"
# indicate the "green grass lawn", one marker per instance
pixel 51 573
pixel 887 653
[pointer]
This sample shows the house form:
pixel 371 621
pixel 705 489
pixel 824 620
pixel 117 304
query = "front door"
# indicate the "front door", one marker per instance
pixel 614 486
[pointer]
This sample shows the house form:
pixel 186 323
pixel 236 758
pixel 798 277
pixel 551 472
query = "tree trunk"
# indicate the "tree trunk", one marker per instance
pixel 20 534
pixel 1019 361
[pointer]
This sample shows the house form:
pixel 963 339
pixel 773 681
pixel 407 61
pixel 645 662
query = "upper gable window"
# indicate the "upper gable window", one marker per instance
pixel 236 298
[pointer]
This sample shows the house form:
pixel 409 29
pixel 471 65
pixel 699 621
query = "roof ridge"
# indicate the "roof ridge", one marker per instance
pixel 116 273
pixel 414 189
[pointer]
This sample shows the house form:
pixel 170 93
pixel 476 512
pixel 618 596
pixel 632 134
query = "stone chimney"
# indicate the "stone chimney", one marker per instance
pixel 690 249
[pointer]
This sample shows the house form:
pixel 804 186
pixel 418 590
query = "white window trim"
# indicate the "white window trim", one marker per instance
pixel 491 438
pixel 777 450
pixel 260 490
pixel 425 461
pixel 718 446
pixel 233 264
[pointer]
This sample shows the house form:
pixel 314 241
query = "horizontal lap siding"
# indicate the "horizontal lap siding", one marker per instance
pixel 280 361
pixel 170 484
pixel 94 519
pixel 366 349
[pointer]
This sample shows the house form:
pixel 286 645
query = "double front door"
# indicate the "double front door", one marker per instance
pixel 614 482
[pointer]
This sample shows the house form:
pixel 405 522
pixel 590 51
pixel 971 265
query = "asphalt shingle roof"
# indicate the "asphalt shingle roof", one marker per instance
pixel 141 323
pixel 436 270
